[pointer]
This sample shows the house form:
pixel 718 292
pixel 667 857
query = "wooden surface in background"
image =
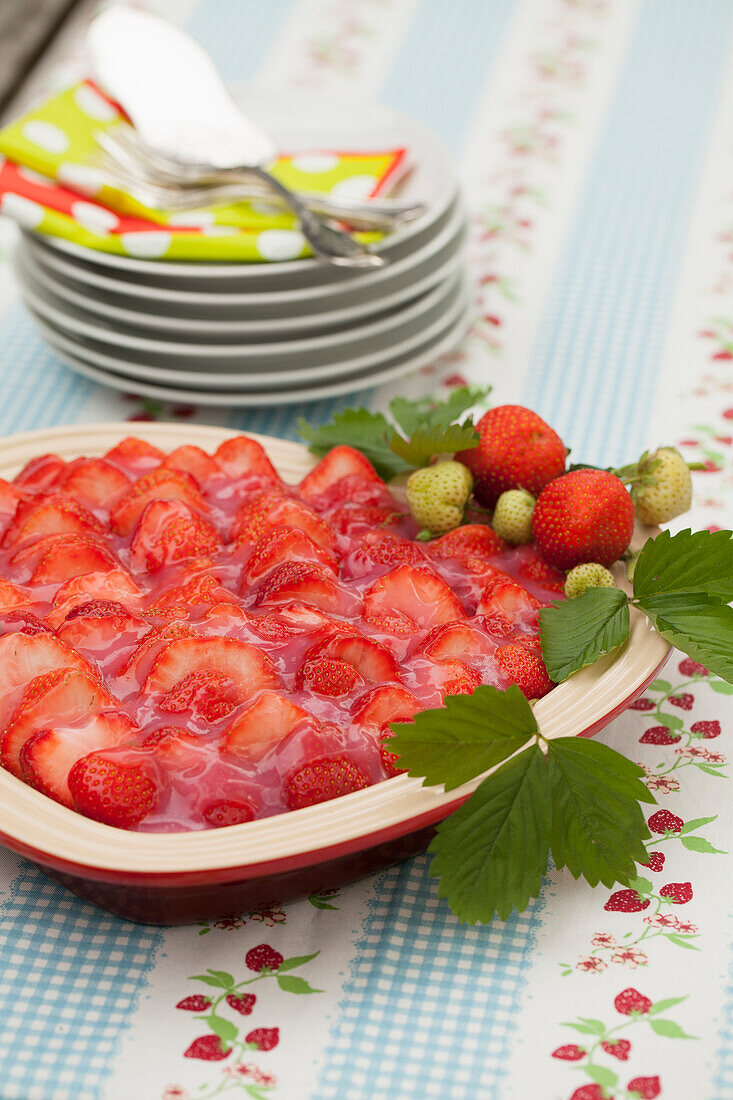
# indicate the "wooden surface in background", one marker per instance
pixel 26 28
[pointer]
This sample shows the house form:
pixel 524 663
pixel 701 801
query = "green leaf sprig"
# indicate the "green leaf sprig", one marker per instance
pixel 428 428
pixel 682 582
pixel 570 796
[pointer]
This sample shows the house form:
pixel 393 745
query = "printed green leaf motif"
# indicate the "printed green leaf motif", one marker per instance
pixel 696 823
pixel 427 413
pixel 225 1029
pixel 641 885
pixel 699 625
pixel 575 633
pixel 224 981
pixel 711 769
pixel 662 1006
pixel 371 433
pixel 597 824
pixel 721 687
pixel 660 685
pixel 492 852
pixel 669 1029
pixel 467 736
pixel 291 983
pixel 682 941
pixel 672 721
pixel 588 1026
pixel 295 960
pixel 424 443
pixel 690 561
pixel 700 844
pixel 601 1075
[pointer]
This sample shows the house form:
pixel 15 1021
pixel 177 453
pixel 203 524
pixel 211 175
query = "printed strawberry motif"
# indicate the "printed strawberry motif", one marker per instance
pixel 626 901
pixel 263 957
pixel 209 1048
pixel 631 1000
pixel 643 704
pixel 688 667
pixel 708 730
pixel 571 1052
pixel 659 735
pixel 195 1003
pixel 665 822
pixel 589 1092
pixel 617 1048
pixel 679 893
pixel 584 516
pixel 684 701
pixel 645 1088
pixel 244 1003
pixel 656 861
pixel 264 1038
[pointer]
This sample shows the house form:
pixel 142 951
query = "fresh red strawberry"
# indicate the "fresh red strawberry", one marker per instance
pixel 708 730
pixel 209 1048
pixel 327 677
pixel 178 601
pixel 525 668
pixel 274 509
pixel 644 1088
pixel 168 531
pixel 617 1048
pixel 55 514
pixel 191 460
pixel 23 657
pixel 114 584
pixel 263 1038
pixel 263 957
pixel 111 791
pixel 322 779
pixel 96 623
pixel 135 455
pixel 228 811
pixel 247 668
pixel 504 604
pixel 61 696
pixel 195 1003
pixel 283 544
pixel 583 516
pixel 48 756
pixel 243 1003
pixel 533 569
pixel 209 695
pixel 301 581
pixel 417 595
pixel 656 861
pixel 688 667
pixel 66 556
pixel 242 456
pixel 95 482
pixel 472 545
pixel 12 597
pixel 340 462
pixel 659 735
pixel 516 450
pixel 370 659
pixel 626 901
pixel 679 893
pixel 684 701
pixel 571 1052
pixel 40 473
pixel 631 1000
pixel 378 548
pixel 664 822
pixel 160 484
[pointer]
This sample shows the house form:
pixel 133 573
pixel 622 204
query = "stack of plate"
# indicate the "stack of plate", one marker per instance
pixel 272 333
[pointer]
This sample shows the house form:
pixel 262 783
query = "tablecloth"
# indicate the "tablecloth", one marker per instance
pixel 595 143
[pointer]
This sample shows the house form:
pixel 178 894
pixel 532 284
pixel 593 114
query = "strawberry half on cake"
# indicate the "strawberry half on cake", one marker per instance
pixel 188 642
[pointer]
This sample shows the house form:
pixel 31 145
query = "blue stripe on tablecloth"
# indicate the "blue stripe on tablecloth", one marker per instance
pixel 238 33
pixel 723 1080
pixel 429 1005
pixel 595 364
pixel 70 981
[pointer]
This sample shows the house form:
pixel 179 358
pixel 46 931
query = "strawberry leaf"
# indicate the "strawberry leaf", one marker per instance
pixel 575 633
pixel 699 625
pixel 426 413
pixel 370 432
pixel 690 561
pixel 465 737
pixel 598 827
pixel 492 852
pixel 424 443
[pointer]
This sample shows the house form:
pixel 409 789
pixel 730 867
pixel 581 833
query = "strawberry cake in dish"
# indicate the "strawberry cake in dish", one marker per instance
pixel 198 656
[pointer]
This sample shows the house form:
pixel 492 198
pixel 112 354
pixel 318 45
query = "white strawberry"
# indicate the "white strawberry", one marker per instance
pixel 588 575
pixel 660 485
pixel 438 495
pixel 512 519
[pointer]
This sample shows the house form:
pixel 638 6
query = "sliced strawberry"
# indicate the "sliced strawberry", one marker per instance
pixel 285 544
pixel 160 484
pixel 12 597
pixel 377 709
pixel 417 595
pixel 536 570
pixel 40 473
pixel 325 676
pixel 504 605
pixel 63 695
pixel 208 694
pixel 114 584
pixel 135 455
pixel 242 456
pixel 223 618
pixel 340 462
pixel 372 660
pixel 168 531
pixel 23 622
pixel 379 549
pixel 269 719
pixel 192 460
pixel 449 677
pixel 65 556
pixel 25 656
pixel 178 601
pixel 113 791
pixel 461 639
pixel 524 666
pixel 54 514
pixel 140 660
pixel 355 517
pixel 353 489
pixel 48 756
pixel 228 811
pixel 471 545
pixel 96 624
pixel 10 498
pixel 95 482
pixel 321 780
pixel 299 580
pixel 248 668
pixel 273 509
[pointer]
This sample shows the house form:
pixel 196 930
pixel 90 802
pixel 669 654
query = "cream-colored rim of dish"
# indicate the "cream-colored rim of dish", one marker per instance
pixel 33 819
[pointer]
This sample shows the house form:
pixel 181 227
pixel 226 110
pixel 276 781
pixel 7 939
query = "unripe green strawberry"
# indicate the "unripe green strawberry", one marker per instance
pixel 512 519
pixel 438 495
pixel 588 575
pixel 664 490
